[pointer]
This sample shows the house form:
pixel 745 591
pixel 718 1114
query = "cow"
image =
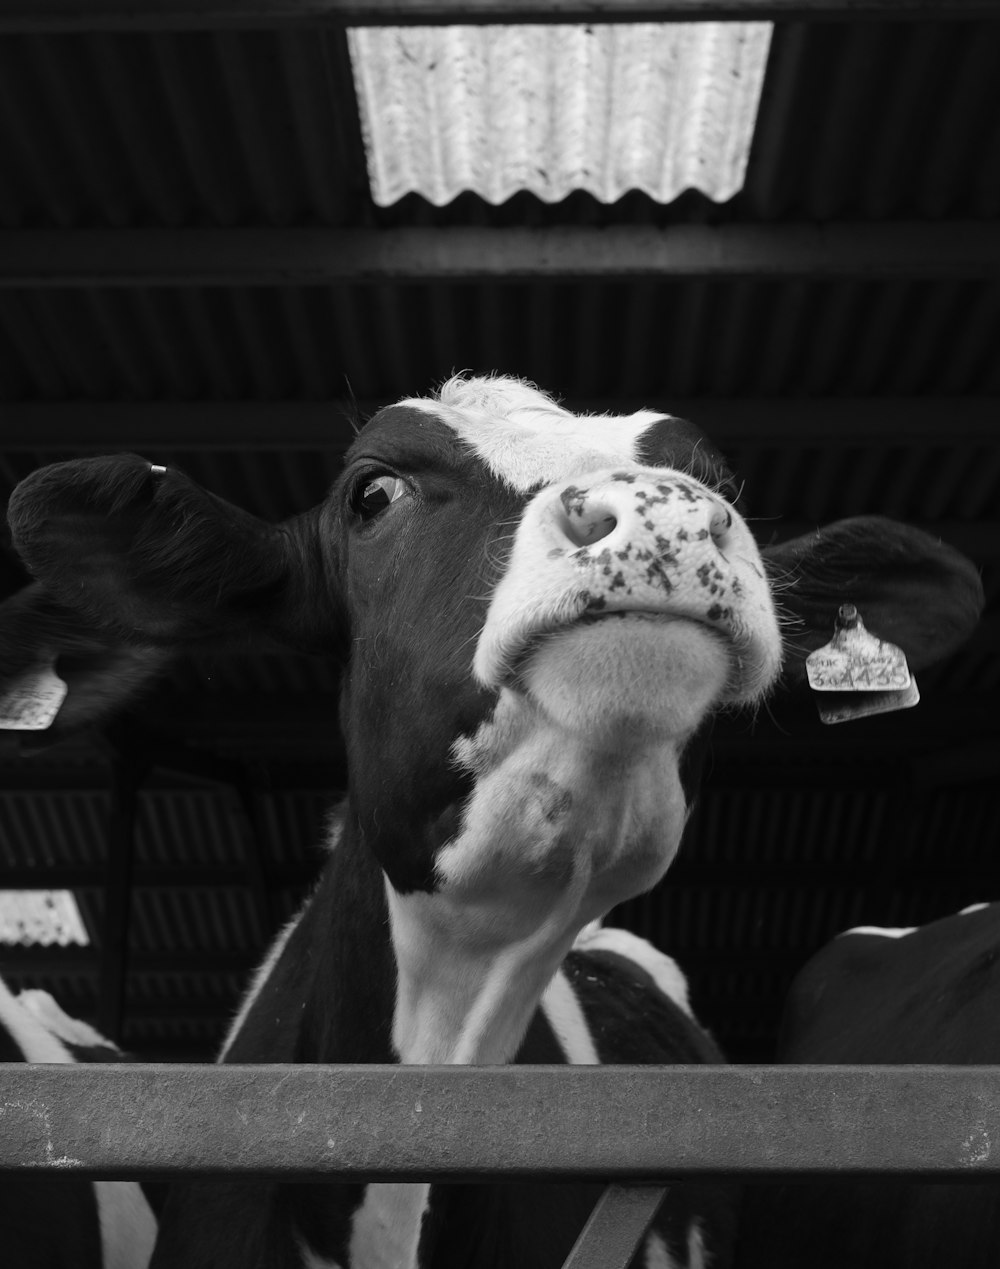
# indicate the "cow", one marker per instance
pixel 926 995
pixel 536 614
pixel 63 1222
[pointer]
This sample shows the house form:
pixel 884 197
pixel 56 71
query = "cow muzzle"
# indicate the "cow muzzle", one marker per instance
pixel 641 566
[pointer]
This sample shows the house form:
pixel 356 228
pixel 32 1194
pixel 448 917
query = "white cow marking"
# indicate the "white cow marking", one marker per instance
pixel 127 1224
pixel 658 1254
pixel 559 828
pixel 385 1231
pixel 525 438
pixel 566 1018
pixel 663 969
pixel 58 1023
pixel 697 1258
pixel 974 907
pixel 886 932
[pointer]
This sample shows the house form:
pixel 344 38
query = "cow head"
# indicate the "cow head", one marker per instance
pixel 535 612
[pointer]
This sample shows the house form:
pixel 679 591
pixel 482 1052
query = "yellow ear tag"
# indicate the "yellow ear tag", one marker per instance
pixel 858 674
pixel 32 700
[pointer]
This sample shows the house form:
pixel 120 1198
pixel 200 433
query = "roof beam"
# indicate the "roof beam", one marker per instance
pixel 158 427
pixel 160 15
pixel 323 257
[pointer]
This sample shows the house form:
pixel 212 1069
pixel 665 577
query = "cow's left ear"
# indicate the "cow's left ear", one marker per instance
pixel 144 552
pixel 910 589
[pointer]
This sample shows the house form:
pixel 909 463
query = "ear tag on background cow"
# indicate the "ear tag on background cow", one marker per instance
pixel 858 673
pixel 32 701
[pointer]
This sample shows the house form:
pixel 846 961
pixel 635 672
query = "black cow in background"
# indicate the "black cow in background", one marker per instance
pixel 928 995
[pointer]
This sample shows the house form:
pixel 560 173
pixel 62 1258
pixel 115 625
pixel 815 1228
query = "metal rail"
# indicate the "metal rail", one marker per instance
pixel 628 1123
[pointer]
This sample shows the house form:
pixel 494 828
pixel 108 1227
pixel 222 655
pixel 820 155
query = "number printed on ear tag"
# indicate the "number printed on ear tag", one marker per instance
pixel 32 700
pixel 864 675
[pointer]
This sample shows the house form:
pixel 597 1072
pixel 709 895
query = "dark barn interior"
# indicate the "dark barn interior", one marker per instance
pixel 193 268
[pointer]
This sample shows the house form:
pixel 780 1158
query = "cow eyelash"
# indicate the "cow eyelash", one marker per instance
pixel 375 492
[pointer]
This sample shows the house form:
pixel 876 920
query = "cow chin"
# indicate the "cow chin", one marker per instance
pixel 633 678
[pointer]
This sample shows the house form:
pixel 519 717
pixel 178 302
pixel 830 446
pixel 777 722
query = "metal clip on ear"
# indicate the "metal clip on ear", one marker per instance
pixel 859 674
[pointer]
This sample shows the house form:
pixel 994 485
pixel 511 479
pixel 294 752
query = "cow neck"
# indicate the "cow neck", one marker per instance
pixel 330 995
pixel 557 830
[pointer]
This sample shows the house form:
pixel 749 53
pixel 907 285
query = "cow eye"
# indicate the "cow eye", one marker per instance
pixel 376 493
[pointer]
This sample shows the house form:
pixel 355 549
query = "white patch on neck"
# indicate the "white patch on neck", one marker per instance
pixel 559 828
pixel 663 969
pixel 566 1018
pixel 525 438
pixel 385 1230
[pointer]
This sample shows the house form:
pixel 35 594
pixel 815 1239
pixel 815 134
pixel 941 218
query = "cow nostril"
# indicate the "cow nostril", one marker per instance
pixel 588 528
pixel 720 524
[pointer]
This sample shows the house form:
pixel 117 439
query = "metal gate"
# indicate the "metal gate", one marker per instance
pixel 634 1127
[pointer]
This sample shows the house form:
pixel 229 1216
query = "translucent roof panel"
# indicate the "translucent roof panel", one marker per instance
pixel 551 109
pixel 46 917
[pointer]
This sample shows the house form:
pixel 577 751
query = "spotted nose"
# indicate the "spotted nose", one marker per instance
pixel 622 508
pixel 645 541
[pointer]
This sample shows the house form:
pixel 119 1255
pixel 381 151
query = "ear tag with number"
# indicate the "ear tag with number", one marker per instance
pixel 859 674
pixel 32 700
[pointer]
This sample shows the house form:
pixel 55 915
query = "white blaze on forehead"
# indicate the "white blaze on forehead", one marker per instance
pixel 527 439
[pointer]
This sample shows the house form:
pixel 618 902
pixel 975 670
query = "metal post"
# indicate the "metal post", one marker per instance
pixel 616 1227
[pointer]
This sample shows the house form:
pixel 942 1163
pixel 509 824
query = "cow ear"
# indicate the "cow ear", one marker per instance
pixel 910 589
pixel 58 674
pixel 144 552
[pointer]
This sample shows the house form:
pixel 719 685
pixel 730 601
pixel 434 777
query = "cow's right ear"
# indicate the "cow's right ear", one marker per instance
pixel 145 553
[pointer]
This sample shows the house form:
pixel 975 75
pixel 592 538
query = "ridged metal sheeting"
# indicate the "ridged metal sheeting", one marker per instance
pixel 868 120
pixel 497 110
pixel 177 129
pixel 650 340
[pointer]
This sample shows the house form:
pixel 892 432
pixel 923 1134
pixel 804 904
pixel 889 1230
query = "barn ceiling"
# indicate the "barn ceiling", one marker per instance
pixel 193 267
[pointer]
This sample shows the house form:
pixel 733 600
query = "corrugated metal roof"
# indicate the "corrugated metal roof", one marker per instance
pixel 652 340
pixel 860 120
pixel 551 109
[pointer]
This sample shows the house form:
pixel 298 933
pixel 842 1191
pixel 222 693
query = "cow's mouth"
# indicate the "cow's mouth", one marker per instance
pixel 625 677
pixel 546 635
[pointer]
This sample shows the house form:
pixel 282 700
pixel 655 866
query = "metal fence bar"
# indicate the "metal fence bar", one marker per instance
pixel 616 1227
pixel 625 1123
